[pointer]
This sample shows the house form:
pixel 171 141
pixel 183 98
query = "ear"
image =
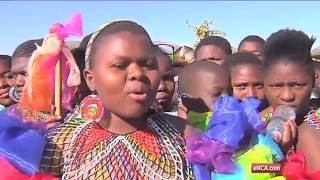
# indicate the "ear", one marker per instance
pixel 88 76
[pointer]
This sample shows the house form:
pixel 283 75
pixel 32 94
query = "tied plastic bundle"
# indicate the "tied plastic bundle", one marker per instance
pixel 233 139
pixel 39 89
pixel 21 146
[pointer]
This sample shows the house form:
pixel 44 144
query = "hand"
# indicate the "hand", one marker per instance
pixel 289 136
pixel 50 122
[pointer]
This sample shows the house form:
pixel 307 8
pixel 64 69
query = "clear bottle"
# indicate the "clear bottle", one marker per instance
pixel 281 115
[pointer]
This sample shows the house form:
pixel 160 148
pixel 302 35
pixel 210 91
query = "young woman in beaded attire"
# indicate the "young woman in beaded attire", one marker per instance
pixel 124 144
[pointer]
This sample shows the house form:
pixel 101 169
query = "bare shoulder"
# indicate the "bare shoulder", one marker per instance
pixel 307 131
pixel 308 143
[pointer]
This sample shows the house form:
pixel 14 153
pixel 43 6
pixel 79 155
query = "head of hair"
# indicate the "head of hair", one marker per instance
pixel 252 38
pixel 241 58
pixel 79 55
pixel 217 41
pixel 111 29
pixel 192 71
pixel 84 41
pixel 316 65
pixel 5 59
pixel 289 46
pixel 185 52
pixel 26 48
pixel 83 90
pixel 159 51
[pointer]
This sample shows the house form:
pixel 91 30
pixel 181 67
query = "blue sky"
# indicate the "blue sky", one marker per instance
pixel 164 20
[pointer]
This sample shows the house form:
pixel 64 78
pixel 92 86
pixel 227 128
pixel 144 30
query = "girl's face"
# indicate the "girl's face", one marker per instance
pixel 5 79
pixel 212 53
pixel 207 89
pixel 289 84
pixel 166 87
pixel 247 81
pixel 125 74
pixel 20 72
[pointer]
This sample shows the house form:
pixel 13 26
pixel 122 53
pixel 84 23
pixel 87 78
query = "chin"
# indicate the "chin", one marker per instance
pixel 134 113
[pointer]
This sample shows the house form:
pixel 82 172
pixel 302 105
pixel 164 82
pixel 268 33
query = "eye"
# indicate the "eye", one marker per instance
pixel 259 86
pixel 298 85
pixel 120 66
pixel 216 94
pixel 8 76
pixel 150 64
pixel 276 85
pixel 242 86
pixel 213 59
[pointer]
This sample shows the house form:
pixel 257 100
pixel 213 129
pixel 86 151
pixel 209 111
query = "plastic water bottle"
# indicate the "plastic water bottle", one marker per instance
pixel 280 116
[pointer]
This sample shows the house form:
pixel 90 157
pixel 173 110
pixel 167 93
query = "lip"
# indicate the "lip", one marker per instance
pixel 4 93
pixel 290 105
pixel 161 97
pixel 139 97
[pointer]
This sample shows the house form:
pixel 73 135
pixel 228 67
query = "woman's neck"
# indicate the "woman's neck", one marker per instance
pixel 118 125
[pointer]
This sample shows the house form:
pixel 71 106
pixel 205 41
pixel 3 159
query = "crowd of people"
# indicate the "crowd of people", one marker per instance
pixel 138 104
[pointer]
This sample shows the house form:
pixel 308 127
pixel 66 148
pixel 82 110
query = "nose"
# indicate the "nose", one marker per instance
pixel 252 92
pixel 287 95
pixel 135 72
pixel 162 86
pixel 20 81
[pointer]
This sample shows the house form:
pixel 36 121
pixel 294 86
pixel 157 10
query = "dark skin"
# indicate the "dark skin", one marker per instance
pixel 178 64
pixel 212 53
pixel 166 87
pixel 309 144
pixel 19 71
pixel 203 95
pixel 253 47
pixel 207 86
pixel 5 81
pixel 296 82
pixel 247 81
pixel 126 76
pixel 289 84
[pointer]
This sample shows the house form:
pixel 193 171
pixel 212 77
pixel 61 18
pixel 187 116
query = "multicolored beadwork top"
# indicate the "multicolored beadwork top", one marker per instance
pixel 88 151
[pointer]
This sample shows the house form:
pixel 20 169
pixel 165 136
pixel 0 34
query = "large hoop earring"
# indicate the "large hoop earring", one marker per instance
pixel 91 108
pixel 13 94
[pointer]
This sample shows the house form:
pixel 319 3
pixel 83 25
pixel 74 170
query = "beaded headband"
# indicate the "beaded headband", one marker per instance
pixel 93 38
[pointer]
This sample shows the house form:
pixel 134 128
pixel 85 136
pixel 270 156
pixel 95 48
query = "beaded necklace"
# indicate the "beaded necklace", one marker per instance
pixel 156 152
pixel 313 118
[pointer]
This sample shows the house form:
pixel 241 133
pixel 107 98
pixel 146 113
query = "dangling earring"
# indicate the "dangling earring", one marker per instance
pixel 13 94
pixel 91 108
